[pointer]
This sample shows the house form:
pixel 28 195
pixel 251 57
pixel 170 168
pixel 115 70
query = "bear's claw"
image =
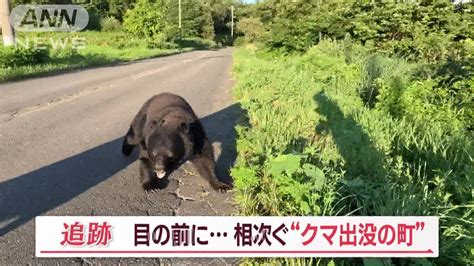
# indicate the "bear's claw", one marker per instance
pixel 151 191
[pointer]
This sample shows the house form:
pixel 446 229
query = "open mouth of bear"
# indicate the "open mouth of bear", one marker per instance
pixel 160 173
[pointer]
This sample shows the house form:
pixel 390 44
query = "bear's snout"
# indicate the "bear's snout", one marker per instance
pixel 159 169
pixel 160 173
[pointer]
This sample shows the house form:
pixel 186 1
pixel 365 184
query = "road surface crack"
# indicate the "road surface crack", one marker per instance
pixel 179 196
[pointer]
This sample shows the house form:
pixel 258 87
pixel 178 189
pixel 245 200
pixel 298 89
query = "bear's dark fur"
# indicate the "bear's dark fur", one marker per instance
pixel 169 134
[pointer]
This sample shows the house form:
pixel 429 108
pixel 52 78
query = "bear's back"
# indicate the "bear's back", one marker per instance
pixel 165 100
pixel 170 108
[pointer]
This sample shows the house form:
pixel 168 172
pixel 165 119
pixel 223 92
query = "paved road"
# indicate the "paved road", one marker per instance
pixel 60 140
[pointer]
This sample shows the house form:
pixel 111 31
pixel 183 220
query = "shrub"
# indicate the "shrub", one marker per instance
pixel 159 41
pixel 381 73
pixel 110 24
pixel 432 47
pixel 94 17
pixel 428 30
pixel 15 56
pixel 67 52
pixel 148 20
pixel 440 94
pixel 206 30
pixel 197 43
pixel 425 102
pixel 251 28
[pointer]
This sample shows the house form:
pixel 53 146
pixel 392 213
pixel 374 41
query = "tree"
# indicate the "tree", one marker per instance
pixel 7 29
pixel 147 20
pixel 251 28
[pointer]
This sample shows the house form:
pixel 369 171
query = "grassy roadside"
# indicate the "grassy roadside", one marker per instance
pixel 313 146
pixel 101 48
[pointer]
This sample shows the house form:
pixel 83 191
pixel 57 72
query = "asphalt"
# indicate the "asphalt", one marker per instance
pixel 60 140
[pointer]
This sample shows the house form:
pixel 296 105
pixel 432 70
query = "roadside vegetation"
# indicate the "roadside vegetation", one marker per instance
pixel 118 32
pixel 100 49
pixel 369 116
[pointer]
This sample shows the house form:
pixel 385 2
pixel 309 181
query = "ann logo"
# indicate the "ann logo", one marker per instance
pixel 49 18
pixel 46 19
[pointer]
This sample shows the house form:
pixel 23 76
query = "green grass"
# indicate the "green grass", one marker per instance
pixel 101 48
pixel 313 145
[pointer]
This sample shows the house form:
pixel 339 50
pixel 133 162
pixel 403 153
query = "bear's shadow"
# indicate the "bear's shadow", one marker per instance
pixel 220 127
pixel 32 194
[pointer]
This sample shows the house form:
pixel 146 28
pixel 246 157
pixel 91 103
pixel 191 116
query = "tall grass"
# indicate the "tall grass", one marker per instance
pixel 315 144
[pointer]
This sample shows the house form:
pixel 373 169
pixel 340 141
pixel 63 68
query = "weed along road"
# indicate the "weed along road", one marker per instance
pixel 61 142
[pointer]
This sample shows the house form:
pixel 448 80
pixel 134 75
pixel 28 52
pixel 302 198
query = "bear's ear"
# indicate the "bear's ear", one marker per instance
pixel 183 127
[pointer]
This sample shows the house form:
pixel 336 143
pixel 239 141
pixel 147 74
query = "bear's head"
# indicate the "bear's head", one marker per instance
pixel 166 149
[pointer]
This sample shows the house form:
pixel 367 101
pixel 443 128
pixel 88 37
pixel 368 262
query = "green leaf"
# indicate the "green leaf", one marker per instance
pixel 331 263
pixel 245 178
pixel 289 163
pixel 304 206
pixel 316 175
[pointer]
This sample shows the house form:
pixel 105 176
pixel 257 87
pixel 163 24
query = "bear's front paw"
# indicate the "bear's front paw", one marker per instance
pixel 150 186
pixel 155 184
pixel 221 186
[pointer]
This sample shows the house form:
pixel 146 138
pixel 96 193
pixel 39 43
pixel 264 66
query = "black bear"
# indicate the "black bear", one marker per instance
pixel 169 133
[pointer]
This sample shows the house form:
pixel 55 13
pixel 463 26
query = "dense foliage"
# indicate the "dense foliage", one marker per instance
pixel 148 20
pixel 120 31
pixel 312 146
pixel 110 24
pixel 160 19
pixel 359 108
pixel 208 19
pixel 19 56
pixel 432 30
pixel 102 48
